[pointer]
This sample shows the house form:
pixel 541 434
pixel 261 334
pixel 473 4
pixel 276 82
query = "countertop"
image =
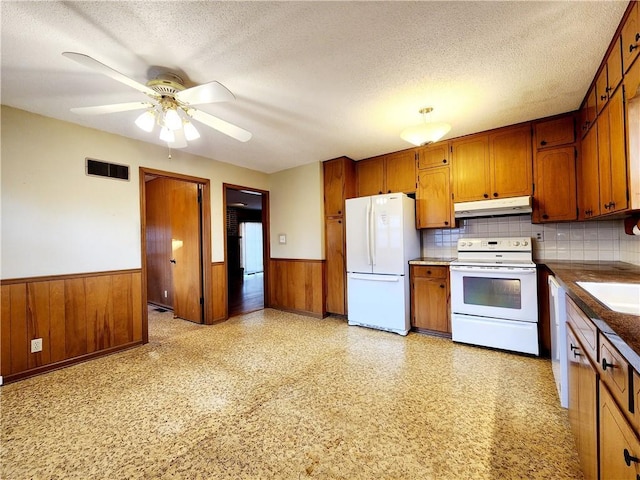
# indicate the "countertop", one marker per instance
pixel 431 261
pixel 623 330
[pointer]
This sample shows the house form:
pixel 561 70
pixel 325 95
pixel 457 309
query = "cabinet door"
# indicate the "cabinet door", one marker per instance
pixel 588 112
pixel 511 162
pixel 335 265
pixel 631 38
pixel 588 419
pixel 619 446
pixel 400 172
pixel 434 155
pixel 614 68
pixel 573 354
pixel 552 133
pixel 470 162
pixel 333 187
pixel 555 185
pixel 433 199
pixel 588 193
pixel 602 92
pixel 618 165
pixel 430 304
pixel 370 176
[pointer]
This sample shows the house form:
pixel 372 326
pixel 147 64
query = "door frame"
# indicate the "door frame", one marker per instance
pixel 266 245
pixel 205 239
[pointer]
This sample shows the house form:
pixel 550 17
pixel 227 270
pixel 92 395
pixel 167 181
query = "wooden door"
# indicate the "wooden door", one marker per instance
pixel 400 172
pixel 511 162
pixel 556 132
pixel 335 265
pixel 604 161
pixel 555 185
pixel 186 251
pixel 470 163
pixel 614 68
pixel 602 91
pixel 587 178
pixel 334 187
pixel 573 360
pixel 370 176
pixel 618 151
pixel 434 155
pixel 616 436
pixel 588 419
pixel 631 38
pixel 158 237
pixel 433 199
pixel 429 304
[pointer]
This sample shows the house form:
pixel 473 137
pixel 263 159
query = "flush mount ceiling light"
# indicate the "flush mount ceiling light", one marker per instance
pixel 426 132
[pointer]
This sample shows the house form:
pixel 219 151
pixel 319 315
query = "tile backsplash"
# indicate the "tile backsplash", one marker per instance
pixel 589 241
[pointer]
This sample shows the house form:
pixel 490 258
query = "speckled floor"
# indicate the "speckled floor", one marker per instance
pixel 275 395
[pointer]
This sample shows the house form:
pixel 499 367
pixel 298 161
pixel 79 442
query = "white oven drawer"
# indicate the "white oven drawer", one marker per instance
pixel 489 332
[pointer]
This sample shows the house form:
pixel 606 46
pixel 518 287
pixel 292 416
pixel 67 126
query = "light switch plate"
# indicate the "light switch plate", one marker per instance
pixel 282 239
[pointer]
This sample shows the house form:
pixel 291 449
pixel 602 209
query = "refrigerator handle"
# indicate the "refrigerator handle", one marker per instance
pixel 368 231
pixel 373 233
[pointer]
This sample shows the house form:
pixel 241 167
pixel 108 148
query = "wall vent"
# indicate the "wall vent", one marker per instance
pixel 98 168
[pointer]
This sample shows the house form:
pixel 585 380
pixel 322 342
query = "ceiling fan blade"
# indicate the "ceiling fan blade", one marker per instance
pixel 114 108
pixel 206 93
pixel 95 65
pixel 217 124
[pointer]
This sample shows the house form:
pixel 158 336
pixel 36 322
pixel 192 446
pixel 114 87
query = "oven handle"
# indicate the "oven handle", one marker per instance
pixel 513 270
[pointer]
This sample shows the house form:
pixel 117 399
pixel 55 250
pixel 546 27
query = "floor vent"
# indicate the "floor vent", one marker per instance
pixel 98 168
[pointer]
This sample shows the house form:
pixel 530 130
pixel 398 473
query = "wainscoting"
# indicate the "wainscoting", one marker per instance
pixel 219 291
pixel 77 316
pixel 297 285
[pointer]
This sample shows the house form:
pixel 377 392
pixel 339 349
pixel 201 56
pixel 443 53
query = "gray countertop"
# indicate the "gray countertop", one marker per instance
pixel 431 261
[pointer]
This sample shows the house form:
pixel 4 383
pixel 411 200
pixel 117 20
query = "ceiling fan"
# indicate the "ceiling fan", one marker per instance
pixel 171 104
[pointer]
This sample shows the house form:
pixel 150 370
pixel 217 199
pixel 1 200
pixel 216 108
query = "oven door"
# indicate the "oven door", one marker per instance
pixel 495 292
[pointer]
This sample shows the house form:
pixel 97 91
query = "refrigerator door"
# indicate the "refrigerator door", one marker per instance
pixel 358 218
pixel 379 301
pixel 387 242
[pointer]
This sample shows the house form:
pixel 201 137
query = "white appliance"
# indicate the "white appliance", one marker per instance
pixel 494 294
pixel 493 208
pixel 559 361
pixel 381 239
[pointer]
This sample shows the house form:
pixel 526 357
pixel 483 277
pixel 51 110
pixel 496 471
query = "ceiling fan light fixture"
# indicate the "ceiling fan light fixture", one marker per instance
pixel 167 135
pixel 426 132
pixel 172 120
pixel 146 121
pixel 190 132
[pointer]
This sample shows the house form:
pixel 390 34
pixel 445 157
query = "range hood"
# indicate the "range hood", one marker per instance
pixel 491 208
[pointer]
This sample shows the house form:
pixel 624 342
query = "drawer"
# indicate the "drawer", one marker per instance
pixel 429 271
pixel 614 372
pixel 584 328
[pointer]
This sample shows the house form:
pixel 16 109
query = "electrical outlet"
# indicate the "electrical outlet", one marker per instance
pixel 165 294
pixel 36 345
pixel 539 236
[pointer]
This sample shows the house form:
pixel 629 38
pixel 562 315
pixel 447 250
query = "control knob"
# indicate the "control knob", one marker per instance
pixel 516 243
pixel 525 243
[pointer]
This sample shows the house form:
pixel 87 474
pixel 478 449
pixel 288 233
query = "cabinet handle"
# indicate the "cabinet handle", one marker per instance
pixel 543 143
pixel 173 260
pixel 388 191
pixel 380 192
pixel 446 223
pixel 428 272
pixel 605 365
pixel 576 353
pixel 339 212
pixel 603 97
pixel 637 36
pixel 339 221
pixel 607 205
pixel 612 204
pixel 441 286
pixel 444 160
pixel 628 458
pixel 495 194
pixel 545 216
pixel 486 195
pixel 608 89
pixel 573 347
pixel 632 48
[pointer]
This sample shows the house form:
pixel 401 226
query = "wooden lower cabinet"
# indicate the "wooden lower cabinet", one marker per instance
pixel 336 265
pixel 430 299
pixel 619 445
pixel 583 384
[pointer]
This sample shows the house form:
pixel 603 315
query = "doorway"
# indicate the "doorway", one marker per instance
pixel 246 249
pixel 176 244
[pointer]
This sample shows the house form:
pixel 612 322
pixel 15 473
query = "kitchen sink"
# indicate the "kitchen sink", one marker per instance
pixel 620 297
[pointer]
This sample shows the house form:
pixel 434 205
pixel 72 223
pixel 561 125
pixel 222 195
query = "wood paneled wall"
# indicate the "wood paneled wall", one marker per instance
pixel 297 286
pixel 219 291
pixel 77 317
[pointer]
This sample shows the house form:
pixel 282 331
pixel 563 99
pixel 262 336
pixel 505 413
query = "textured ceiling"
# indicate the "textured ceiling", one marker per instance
pixel 313 80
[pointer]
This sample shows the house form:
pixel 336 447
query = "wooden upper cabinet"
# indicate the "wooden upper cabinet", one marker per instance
pixel 434 155
pixel 370 176
pixel 587 112
pixel 587 177
pixel 400 172
pixel 395 172
pixel 602 93
pixel 632 81
pixel 433 199
pixel 555 132
pixel 612 157
pixel 609 78
pixel 511 162
pixel 470 163
pixel 339 184
pixel 554 196
pixel 631 38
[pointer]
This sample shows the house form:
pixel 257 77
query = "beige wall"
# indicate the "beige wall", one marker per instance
pixel 57 220
pixel 297 207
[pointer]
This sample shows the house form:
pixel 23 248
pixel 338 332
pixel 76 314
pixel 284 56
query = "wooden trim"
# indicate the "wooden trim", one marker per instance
pixel 298 286
pixel 303 260
pixel 66 276
pixel 66 363
pixel 300 312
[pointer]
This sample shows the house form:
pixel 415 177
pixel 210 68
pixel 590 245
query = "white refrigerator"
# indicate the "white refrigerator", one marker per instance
pixel 381 239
